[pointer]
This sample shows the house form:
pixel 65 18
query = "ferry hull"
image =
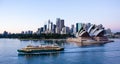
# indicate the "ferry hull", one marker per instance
pixel 36 51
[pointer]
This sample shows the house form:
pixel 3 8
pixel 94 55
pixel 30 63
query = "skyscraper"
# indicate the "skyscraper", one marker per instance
pixel 88 26
pixel 45 28
pixel 65 30
pixel 59 25
pixel 78 26
pixel 58 22
pixel 49 25
pixel 40 30
pixel 72 29
pixel 53 28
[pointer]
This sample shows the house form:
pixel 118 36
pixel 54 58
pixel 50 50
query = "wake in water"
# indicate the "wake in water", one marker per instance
pixel 83 50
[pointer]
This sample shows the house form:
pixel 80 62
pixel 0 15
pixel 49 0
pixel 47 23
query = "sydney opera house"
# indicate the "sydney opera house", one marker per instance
pixel 94 34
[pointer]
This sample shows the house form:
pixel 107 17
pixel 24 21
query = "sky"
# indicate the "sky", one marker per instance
pixel 23 15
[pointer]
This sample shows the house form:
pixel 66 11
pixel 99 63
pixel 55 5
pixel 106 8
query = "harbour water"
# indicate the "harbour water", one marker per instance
pixel 73 54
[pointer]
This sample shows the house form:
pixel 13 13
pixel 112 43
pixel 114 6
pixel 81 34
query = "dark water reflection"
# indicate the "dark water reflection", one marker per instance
pixel 73 54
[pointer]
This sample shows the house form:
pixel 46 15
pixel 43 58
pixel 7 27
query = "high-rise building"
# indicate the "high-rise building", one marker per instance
pixel 78 26
pixel 59 25
pixel 65 30
pixel 72 29
pixel 57 30
pixel 45 28
pixel 49 25
pixel 40 30
pixel 53 28
pixel 88 26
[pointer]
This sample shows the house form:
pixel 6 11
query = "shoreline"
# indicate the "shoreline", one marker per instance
pixel 47 39
pixel 87 41
pixel 43 39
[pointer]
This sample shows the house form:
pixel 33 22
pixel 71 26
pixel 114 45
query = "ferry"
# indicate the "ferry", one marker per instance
pixel 40 49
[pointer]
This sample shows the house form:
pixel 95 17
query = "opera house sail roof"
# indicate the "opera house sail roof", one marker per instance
pixel 93 30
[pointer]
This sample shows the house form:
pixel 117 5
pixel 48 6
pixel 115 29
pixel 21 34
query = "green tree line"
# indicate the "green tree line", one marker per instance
pixel 36 36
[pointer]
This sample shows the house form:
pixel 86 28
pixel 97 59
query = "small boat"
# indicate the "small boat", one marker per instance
pixel 40 49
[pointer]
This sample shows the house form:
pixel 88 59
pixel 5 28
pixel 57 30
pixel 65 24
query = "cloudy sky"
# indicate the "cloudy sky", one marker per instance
pixel 20 15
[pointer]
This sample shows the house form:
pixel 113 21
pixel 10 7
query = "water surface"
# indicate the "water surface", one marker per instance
pixel 74 54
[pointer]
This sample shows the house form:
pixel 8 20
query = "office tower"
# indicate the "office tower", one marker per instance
pixel 45 28
pixel 88 26
pixel 78 26
pixel 59 25
pixel 84 26
pixel 49 25
pixel 65 30
pixel 40 30
pixel 57 30
pixel 53 28
pixel 72 29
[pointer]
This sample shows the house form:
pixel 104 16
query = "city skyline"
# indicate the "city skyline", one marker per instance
pixel 22 15
pixel 60 28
